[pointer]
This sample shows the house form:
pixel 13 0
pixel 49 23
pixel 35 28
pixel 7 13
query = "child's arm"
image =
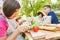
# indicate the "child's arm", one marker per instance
pixel 21 28
pixel 54 25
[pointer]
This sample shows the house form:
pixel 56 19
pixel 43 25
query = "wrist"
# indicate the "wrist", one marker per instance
pixel 17 30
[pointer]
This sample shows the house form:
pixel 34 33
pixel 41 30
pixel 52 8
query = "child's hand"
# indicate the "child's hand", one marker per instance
pixel 23 28
pixel 45 24
pixel 21 22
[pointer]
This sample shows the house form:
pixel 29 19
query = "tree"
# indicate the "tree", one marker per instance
pixel 31 7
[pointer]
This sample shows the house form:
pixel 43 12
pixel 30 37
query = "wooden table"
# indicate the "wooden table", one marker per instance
pixel 49 35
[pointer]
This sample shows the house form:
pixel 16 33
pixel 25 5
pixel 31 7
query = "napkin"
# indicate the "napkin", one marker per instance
pixel 37 34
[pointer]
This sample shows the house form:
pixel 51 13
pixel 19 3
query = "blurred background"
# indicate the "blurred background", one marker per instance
pixel 31 7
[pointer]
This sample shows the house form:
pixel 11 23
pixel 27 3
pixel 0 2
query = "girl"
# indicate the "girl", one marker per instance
pixel 10 9
pixel 40 16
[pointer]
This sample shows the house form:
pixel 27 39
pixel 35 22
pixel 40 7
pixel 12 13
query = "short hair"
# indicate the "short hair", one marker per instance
pixel 47 6
pixel 40 13
pixel 10 6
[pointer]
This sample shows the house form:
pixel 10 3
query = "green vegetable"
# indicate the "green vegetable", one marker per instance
pixel 34 23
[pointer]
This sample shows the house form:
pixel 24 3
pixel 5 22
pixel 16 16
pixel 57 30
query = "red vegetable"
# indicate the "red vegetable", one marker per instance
pixel 35 28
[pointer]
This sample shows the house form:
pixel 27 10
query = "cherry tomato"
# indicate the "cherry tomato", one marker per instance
pixel 35 28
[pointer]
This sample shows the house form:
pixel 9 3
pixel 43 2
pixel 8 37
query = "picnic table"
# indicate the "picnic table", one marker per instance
pixel 48 35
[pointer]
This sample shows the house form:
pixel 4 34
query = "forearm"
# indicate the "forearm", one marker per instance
pixel 14 35
pixel 21 28
pixel 3 38
pixel 53 24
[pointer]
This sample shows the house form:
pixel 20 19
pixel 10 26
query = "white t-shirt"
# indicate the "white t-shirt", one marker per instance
pixel 37 19
pixel 12 25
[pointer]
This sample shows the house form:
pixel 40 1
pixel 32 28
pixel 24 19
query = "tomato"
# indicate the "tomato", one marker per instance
pixel 35 28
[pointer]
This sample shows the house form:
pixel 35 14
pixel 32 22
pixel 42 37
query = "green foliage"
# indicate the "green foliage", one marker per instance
pixel 31 7
pixel 56 6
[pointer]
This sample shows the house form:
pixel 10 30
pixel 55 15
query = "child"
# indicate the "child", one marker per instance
pixel 39 17
pixel 40 14
pixel 10 9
